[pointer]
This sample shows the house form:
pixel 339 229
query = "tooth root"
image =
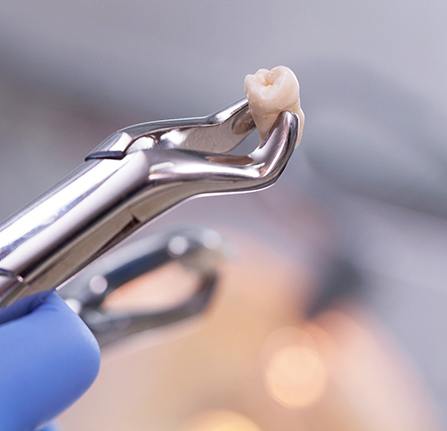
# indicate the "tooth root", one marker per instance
pixel 270 92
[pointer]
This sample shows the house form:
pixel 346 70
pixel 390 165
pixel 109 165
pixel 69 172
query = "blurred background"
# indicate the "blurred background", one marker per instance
pixel 331 308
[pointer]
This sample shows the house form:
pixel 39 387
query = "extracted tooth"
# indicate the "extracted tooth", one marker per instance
pixel 270 92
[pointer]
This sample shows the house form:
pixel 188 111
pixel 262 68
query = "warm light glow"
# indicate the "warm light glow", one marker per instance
pixel 221 420
pixel 295 376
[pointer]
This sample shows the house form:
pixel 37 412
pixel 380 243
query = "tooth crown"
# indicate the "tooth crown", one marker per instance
pixel 270 92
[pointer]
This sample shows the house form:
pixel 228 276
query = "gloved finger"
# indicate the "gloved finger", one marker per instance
pixel 48 359
pixel 49 427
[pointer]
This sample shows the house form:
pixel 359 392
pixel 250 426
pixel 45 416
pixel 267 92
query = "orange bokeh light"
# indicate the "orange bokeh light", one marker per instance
pixel 221 420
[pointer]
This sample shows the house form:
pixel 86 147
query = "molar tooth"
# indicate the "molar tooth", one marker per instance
pixel 270 92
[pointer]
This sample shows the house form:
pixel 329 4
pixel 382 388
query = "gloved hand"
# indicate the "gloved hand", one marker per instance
pixel 48 359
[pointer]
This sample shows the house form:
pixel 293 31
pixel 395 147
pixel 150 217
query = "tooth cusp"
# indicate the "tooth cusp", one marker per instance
pixel 270 92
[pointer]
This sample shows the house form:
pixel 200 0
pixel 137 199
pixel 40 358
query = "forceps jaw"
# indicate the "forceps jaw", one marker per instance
pixel 182 175
pixel 219 132
pixel 221 172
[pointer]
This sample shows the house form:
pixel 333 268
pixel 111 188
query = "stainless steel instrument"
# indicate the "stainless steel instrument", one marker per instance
pixel 132 177
pixel 197 250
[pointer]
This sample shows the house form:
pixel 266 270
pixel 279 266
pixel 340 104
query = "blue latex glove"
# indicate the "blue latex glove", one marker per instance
pixel 48 359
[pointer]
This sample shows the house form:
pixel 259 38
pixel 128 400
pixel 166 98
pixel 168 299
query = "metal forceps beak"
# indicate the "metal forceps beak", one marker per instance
pixel 134 176
pixel 216 133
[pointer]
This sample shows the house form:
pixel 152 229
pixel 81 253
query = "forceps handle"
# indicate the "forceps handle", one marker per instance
pixel 69 226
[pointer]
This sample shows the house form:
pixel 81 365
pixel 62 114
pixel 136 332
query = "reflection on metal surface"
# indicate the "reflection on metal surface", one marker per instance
pixel 98 284
pixel 221 420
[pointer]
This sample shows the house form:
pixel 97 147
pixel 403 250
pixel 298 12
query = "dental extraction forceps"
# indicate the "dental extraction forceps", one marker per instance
pixel 133 176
